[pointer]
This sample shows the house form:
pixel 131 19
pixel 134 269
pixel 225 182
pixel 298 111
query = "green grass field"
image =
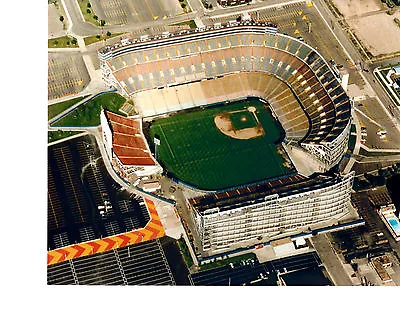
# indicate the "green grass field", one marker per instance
pixel 88 115
pixel 195 151
pixel 55 109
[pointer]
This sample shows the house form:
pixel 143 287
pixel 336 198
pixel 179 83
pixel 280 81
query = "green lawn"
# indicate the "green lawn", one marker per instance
pixel 56 135
pixel 88 115
pixel 233 260
pixel 195 151
pixel 190 23
pixel 352 142
pixel 87 16
pixel 185 252
pixel 55 109
pixel 93 39
pixel 61 42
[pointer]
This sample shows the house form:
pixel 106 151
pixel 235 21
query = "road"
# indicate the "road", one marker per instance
pixel 331 261
pixel 354 55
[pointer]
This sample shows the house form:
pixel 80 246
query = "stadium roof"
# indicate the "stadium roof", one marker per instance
pixel 256 193
pixel 129 144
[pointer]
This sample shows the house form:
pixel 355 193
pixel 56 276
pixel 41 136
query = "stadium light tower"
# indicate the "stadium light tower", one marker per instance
pixel 157 142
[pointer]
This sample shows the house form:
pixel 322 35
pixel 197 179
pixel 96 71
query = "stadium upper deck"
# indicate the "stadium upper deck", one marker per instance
pixel 196 55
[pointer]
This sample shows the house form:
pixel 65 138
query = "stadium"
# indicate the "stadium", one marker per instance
pixel 271 97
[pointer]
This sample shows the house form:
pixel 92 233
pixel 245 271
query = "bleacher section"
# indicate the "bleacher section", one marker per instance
pixel 217 53
pixel 226 88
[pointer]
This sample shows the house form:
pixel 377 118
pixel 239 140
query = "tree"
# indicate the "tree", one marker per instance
pixel 88 11
pixel 55 42
pixel 108 33
pixel 102 22
pixel 89 5
pixel 67 43
pixel 74 41
pixel 183 5
pixel 95 17
pixel 98 36
pixel 61 18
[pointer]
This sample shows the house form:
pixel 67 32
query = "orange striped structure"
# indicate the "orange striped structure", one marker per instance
pixel 152 230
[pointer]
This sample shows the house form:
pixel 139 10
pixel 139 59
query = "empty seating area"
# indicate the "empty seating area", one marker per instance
pixel 141 264
pixel 128 141
pixel 294 63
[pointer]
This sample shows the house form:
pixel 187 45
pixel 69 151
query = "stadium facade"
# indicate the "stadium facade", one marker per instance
pixel 270 211
pixel 195 68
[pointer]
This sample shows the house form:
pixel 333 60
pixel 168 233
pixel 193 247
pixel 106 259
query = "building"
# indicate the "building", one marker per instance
pixel 169 72
pixel 127 147
pixel 387 214
pixel 270 211
pixel 393 77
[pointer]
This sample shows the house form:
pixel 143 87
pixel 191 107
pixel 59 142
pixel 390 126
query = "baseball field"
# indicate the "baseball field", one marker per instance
pixel 222 146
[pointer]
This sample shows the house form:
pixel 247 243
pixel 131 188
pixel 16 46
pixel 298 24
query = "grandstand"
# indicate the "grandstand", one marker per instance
pixel 126 146
pixel 192 68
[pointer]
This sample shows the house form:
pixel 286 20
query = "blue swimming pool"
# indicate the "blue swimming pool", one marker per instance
pixel 394 223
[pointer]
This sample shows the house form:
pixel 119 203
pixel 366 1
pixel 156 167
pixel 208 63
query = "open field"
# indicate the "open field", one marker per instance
pixel 371 24
pixel 94 38
pixel 194 150
pixel 55 109
pixel 88 115
pixel 62 42
pixel 53 136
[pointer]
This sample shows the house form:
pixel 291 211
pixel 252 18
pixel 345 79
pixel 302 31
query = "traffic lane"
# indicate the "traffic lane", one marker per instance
pixel 372 117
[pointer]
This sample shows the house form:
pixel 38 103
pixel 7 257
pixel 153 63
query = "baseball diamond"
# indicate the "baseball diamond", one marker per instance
pixel 195 150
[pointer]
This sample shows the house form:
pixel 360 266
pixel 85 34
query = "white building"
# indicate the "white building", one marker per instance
pixel 282 209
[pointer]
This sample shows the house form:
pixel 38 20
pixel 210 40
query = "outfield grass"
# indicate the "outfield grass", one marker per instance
pixel 195 151
pixel 57 108
pixel 88 114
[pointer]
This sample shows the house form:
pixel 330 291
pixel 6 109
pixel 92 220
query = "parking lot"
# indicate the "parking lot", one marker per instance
pixel 121 12
pixel 140 264
pixel 67 74
pixel 84 203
